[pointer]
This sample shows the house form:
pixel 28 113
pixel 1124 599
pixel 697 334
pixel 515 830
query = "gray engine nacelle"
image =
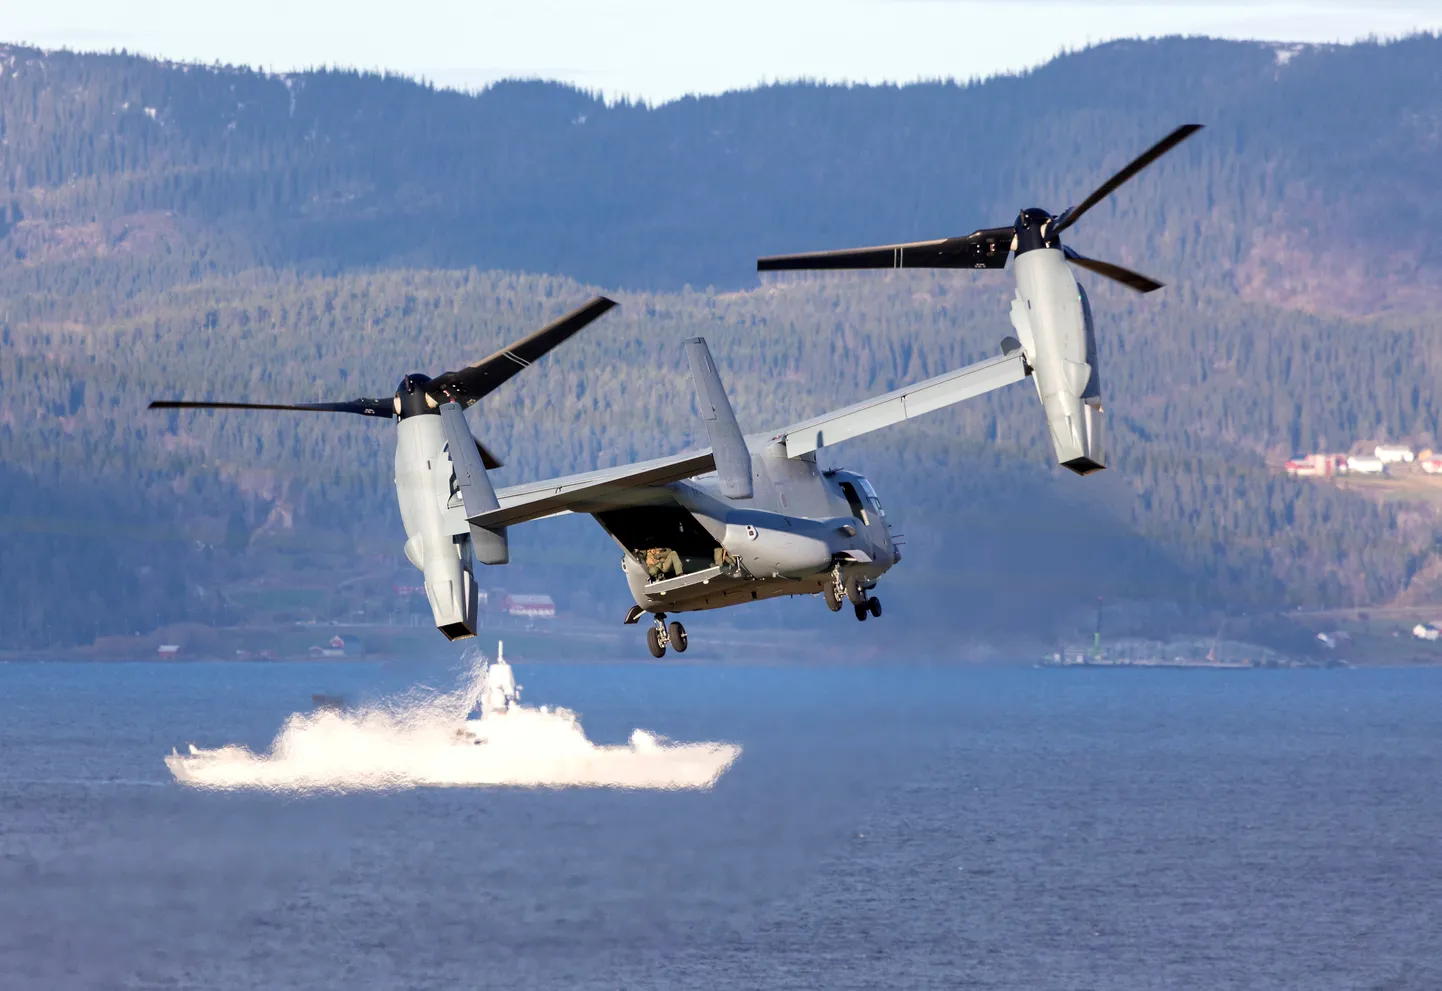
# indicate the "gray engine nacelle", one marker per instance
pixel 439 475
pixel 1053 321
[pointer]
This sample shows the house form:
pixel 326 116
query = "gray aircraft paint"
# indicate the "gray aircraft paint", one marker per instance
pixel 473 488
pixel 728 446
pixel 1051 324
pixel 423 490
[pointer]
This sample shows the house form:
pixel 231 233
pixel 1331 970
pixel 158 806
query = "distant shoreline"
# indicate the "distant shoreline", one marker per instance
pixel 712 660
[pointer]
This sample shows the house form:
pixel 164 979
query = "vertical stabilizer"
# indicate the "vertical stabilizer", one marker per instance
pixel 733 460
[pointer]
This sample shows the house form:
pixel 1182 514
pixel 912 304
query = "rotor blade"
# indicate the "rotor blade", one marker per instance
pixel 980 249
pixel 365 407
pixel 469 384
pixel 487 458
pixel 1071 215
pixel 1128 278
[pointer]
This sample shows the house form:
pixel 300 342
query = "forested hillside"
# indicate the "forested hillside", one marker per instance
pixel 1317 176
pixel 175 231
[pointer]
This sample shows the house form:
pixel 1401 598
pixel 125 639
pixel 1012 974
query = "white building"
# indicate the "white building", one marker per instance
pixel 531 606
pixel 1363 465
pixel 1393 453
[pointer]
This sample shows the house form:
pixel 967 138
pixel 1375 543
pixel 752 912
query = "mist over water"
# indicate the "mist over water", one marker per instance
pixel 417 739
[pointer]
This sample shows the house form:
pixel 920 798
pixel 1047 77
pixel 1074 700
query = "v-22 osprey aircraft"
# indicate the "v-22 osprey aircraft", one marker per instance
pixel 751 517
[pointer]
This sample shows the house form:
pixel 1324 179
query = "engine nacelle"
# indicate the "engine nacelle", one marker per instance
pixel 438 541
pixel 1052 319
pixel 451 589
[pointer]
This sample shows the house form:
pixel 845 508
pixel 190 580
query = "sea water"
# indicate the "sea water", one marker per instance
pixel 887 826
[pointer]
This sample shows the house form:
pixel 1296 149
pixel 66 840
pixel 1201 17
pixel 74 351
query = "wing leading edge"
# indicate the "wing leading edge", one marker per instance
pixel 901 404
pixel 593 490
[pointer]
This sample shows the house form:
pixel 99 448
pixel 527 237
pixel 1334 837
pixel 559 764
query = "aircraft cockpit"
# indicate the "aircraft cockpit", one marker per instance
pixel 871 496
pixel 860 497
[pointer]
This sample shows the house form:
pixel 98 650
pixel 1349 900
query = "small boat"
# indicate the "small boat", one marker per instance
pixel 499 694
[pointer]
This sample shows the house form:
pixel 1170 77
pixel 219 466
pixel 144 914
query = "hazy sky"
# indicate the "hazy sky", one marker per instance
pixel 661 49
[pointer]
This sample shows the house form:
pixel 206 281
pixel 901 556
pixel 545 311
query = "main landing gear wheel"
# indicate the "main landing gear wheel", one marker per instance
pixel 855 592
pixel 677 635
pixel 832 597
pixel 653 641
pixel 869 607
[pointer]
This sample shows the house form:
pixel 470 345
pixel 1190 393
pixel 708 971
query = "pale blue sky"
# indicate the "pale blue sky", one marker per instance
pixel 661 49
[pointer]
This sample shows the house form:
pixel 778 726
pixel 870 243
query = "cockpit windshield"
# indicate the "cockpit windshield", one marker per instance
pixel 871 496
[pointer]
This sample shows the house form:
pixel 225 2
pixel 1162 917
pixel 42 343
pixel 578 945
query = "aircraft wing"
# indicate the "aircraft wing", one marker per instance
pixel 639 483
pixel 902 404
pixel 592 491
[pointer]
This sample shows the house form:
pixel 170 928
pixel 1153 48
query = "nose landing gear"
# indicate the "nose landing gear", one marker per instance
pixel 853 589
pixel 660 636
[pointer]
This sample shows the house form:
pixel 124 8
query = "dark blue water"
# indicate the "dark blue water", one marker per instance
pixel 901 828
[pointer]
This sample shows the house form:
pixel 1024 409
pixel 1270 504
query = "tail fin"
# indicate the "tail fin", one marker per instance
pixel 733 459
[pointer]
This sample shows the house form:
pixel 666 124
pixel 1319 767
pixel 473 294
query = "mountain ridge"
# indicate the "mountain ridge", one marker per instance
pixel 687 192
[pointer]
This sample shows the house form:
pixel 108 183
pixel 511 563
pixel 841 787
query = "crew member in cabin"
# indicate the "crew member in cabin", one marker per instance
pixel 660 560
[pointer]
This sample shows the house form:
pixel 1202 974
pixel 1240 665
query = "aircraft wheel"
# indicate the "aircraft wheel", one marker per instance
pixel 653 641
pixel 678 637
pixel 833 601
pixel 860 611
pixel 855 593
pixel 874 605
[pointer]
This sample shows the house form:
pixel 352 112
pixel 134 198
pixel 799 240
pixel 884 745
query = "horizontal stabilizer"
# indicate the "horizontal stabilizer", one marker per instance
pixel 733 460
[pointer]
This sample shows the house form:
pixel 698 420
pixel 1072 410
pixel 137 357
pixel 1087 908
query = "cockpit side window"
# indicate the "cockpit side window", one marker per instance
pixel 871 496
pixel 854 501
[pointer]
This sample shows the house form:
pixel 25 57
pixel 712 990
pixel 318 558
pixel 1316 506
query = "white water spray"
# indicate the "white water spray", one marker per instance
pixel 420 739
